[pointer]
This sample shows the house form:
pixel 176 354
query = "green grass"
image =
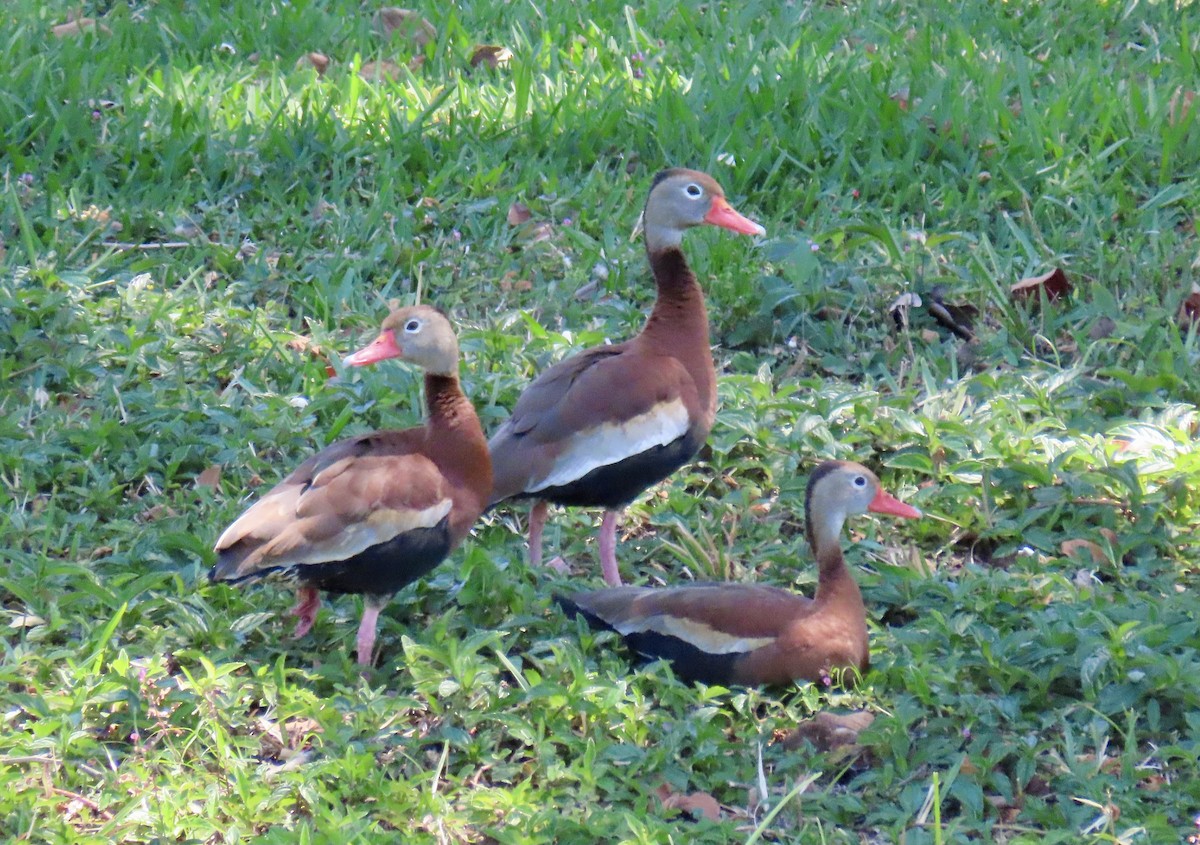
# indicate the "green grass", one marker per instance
pixel 887 146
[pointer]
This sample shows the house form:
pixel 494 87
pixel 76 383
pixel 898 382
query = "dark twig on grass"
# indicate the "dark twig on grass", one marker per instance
pixel 87 802
pixel 147 247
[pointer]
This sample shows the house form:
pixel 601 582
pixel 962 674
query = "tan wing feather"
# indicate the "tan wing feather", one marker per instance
pixel 346 498
pixel 750 611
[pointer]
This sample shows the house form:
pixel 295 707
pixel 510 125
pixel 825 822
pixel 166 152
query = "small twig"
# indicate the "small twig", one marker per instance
pixel 29 758
pixel 87 802
pixel 122 247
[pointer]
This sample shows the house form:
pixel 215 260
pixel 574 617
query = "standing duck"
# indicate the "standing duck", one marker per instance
pixel 373 513
pixel 751 634
pixel 600 427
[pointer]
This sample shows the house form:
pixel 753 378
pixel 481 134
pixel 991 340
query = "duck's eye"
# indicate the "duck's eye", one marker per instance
pixel 860 481
pixel 412 326
pixel 693 190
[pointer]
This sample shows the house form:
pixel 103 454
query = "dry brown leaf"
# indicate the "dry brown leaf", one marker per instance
pixel 155 513
pixel 1189 311
pixel 318 61
pixel 377 71
pixel 1038 787
pixel 518 213
pixel 492 55
pixel 321 210
pixel 210 477
pixel 300 343
pixel 956 318
pixel 827 731
pixel 281 741
pixel 1008 812
pixel 540 231
pixel 900 308
pixel 79 26
pixel 408 23
pixel 1055 285
pixel 1152 783
pixel 1102 328
pixel 1181 105
pixel 695 803
pixel 1078 548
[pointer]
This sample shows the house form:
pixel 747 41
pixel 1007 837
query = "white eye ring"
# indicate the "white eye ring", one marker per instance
pixel 860 481
pixel 412 326
pixel 693 190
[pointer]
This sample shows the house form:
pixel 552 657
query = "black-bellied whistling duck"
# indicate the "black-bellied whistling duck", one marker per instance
pixel 600 427
pixel 376 512
pixel 751 634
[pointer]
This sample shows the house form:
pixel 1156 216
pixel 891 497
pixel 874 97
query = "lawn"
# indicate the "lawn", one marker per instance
pixel 196 224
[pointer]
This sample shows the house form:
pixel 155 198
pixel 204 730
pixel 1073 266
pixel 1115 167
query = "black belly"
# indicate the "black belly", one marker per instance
pixel 616 485
pixel 380 570
pixel 690 663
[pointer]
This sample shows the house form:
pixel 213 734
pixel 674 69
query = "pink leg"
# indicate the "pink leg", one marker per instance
pixel 308 600
pixel 537 521
pixel 366 631
pixel 608 548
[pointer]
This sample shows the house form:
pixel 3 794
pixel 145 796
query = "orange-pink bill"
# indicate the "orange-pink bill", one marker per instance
pixel 723 214
pixel 380 349
pixel 884 502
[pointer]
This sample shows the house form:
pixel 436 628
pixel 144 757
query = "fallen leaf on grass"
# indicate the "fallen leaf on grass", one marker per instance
pixel 1189 311
pixel 318 61
pixel 518 213
pixel 155 513
pixel 1008 811
pixel 322 209
pixel 537 232
pixel 280 741
pixel 1054 284
pixel 827 731
pixel 956 318
pixel 697 804
pixel 300 343
pixel 408 23
pixel 510 281
pixel 210 477
pixel 1077 548
pixel 378 71
pixel 1102 328
pixel 492 55
pixel 1181 104
pixel 900 308
pixel 26 620
pixel 78 27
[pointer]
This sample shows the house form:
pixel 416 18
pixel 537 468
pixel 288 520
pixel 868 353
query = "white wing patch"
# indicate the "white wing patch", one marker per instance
pixel 379 527
pixel 611 443
pixel 707 639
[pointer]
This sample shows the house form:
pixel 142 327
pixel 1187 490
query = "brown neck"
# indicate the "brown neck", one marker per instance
pixel 824 531
pixel 455 439
pixel 835 584
pixel 678 325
